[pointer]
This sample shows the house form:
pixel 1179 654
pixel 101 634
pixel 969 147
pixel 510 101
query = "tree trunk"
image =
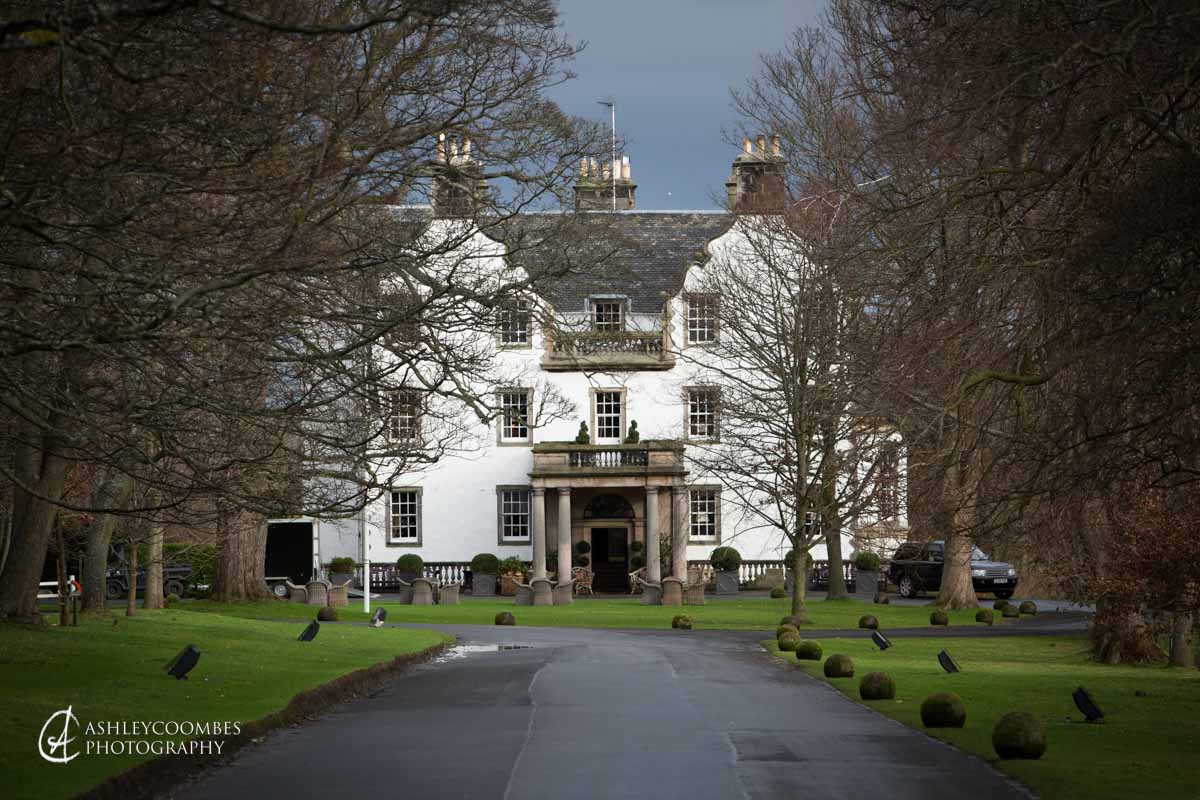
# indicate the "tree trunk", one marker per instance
pixel 152 595
pixel 111 491
pixel 64 591
pixel 132 571
pixel 800 584
pixel 1119 635
pixel 837 570
pixel 957 590
pixel 33 521
pixel 241 558
pixel 1181 640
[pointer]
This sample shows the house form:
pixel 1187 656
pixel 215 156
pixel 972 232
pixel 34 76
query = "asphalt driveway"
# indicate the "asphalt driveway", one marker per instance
pixel 582 713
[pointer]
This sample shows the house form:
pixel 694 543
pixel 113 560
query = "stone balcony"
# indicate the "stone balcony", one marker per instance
pixel 624 351
pixel 658 459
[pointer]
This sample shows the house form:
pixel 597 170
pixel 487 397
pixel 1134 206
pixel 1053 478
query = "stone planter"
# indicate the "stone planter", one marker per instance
pixel 866 584
pixel 727 582
pixel 483 585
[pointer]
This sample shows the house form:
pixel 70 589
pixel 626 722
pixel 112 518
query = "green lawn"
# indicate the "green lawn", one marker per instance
pixel 247 670
pixel 754 614
pixel 1147 748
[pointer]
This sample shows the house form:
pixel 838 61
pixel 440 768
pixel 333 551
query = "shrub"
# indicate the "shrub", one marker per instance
pixel 877 686
pixel 685 624
pixel 583 546
pixel 678 618
pixel 582 437
pixel 511 564
pixel 1028 607
pixel 485 564
pixel 882 599
pixel 342 564
pixel 638 546
pixel 985 616
pixel 171 599
pixel 506 618
pixel 1019 734
pixel 794 621
pixel 939 617
pixel 943 710
pixel 410 562
pixel 866 561
pixel 327 614
pixel 1000 604
pixel 808 650
pixel 725 559
pixel 582 561
pixel 790 555
pixel 777 593
pixel 1009 611
pixel 868 622
pixel 782 629
pixel 839 665
pixel 637 562
pixel 788 641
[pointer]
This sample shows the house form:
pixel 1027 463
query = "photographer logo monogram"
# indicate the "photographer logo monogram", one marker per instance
pixel 64 737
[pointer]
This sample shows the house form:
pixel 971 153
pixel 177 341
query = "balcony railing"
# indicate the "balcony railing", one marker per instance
pixel 657 457
pixel 634 350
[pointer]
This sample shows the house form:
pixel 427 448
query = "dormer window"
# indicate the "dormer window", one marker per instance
pixel 608 315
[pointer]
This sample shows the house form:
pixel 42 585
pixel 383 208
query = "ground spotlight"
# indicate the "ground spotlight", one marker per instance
pixel 182 664
pixel 1087 706
pixel 881 641
pixel 379 617
pixel 310 632
pixel 948 663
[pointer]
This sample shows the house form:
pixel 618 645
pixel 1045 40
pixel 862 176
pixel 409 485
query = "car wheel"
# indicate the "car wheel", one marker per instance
pixel 1004 595
pixel 174 587
pixel 280 590
pixel 113 591
pixel 906 587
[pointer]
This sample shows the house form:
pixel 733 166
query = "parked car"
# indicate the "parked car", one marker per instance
pixel 174 581
pixel 818 576
pixel 917 567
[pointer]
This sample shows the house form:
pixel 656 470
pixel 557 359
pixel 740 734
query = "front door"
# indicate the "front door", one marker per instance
pixel 610 560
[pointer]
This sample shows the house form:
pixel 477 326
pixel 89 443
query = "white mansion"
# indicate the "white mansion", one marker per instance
pixel 528 489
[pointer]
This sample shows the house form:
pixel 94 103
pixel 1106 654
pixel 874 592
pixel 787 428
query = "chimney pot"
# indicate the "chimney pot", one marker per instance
pixel 583 170
pixel 625 167
pixel 775 144
pixel 747 148
pixel 466 149
pixel 441 147
pixel 762 144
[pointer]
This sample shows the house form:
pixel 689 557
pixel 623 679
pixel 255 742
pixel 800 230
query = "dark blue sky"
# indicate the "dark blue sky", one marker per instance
pixel 670 65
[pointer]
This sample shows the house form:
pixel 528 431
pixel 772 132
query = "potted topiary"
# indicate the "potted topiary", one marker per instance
pixel 726 562
pixel 484 569
pixel 341 569
pixel 789 573
pixel 512 572
pixel 583 437
pixel 582 548
pixel 866 574
pixel 410 566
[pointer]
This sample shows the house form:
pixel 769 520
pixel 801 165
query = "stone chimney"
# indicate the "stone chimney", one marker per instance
pixel 458 184
pixel 757 185
pixel 594 186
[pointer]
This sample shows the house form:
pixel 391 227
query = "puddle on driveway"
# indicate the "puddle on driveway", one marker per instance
pixel 464 650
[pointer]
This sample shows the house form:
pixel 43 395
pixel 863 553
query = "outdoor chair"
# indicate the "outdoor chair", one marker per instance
pixel 339 594
pixel 524 593
pixel 448 594
pixel 318 592
pixel 635 580
pixel 405 590
pixel 422 592
pixel 582 578
pixel 296 594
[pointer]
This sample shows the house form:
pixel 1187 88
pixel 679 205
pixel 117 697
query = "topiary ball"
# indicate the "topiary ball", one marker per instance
pixel 943 710
pixel 327 614
pixel 939 617
pixel 788 642
pixel 679 620
pixel 506 618
pixel 171 599
pixel 881 599
pixel 877 686
pixel 1000 604
pixel 839 665
pixel 1009 611
pixel 1019 734
pixel 792 620
pixel 808 650
pixel 985 616
pixel 782 629
pixel 1028 607
pixel 685 624
pixel 778 593
pixel 868 622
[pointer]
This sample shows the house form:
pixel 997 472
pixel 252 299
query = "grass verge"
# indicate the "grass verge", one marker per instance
pixel 751 614
pixel 1146 748
pixel 248 669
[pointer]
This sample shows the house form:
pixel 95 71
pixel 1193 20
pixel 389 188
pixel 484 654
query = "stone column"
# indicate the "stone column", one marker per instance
pixel 537 500
pixel 653 565
pixel 679 531
pixel 564 596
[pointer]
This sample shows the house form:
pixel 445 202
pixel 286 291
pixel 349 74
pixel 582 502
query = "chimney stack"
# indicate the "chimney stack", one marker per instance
pixel 458 184
pixel 757 185
pixel 594 186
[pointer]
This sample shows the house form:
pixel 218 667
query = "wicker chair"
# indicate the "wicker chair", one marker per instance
pixel 318 592
pixel 582 578
pixel 339 594
pixel 296 594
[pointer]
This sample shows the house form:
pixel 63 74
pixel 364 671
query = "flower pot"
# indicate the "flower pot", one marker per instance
pixel 508 583
pixel 483 585
pixel 866 584
pixel 727 582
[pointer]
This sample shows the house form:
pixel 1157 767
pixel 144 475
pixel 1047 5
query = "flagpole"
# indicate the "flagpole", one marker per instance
pixel 612 107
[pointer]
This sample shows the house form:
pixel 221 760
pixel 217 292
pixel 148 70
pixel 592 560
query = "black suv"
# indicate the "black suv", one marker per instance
pixel 917 567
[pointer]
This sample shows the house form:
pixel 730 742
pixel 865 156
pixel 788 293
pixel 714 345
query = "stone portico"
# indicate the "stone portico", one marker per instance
pixel 586 492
